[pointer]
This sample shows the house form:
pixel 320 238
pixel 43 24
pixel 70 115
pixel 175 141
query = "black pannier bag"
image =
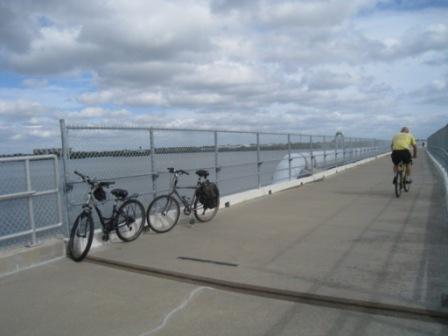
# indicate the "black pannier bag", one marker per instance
pixel 99 194
pixel 208 195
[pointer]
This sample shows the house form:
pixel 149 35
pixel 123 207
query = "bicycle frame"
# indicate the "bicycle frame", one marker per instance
pixel 107 223
pixel 187 205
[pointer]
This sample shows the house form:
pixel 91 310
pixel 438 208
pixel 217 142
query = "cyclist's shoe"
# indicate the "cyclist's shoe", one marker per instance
pixel 395 180
pixel 408 180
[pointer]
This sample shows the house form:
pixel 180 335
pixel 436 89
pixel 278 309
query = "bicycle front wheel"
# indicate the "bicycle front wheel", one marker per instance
pixel 81 237
pixel 130 220
pixel 163 213
pixel 202 213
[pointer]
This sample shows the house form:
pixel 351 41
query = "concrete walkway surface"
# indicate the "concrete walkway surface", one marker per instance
pixel 346 237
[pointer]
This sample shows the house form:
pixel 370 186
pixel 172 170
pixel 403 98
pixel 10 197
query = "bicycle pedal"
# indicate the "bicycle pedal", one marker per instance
pixel 105 237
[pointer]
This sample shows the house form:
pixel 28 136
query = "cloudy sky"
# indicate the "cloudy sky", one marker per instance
pixel 365 67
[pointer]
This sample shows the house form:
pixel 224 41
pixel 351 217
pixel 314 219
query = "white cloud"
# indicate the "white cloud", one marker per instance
pixel 97 112
pixel 221 74
pixel 20 109
pixel 271 65
pixel 328 80
pixel 307 13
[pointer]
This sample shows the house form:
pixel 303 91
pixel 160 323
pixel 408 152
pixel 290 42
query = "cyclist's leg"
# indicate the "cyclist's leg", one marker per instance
pixel 408 169
pixel 408 161
pixel 396 162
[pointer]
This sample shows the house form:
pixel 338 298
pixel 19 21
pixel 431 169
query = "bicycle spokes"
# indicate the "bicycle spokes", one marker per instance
pixel 127 219
pixel 163 214
pixel 80 238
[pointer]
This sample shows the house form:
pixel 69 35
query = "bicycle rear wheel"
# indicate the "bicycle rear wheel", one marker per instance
pixel 398 184
pixel 130 220
pixel 163 213
pixel 204 214
pixel 406 185
pixel 81 237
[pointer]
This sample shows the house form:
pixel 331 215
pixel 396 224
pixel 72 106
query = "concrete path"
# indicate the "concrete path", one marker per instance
pixel 347 238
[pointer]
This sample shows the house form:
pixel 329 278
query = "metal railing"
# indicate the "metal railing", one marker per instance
pixel 137 157
pixel 437 145
pixel 30 201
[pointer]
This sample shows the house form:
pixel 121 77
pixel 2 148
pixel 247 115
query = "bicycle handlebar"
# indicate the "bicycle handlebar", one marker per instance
pixel 106 184
pixel 180 171
pixel 80 175
pixel 91 182
pixel 85 178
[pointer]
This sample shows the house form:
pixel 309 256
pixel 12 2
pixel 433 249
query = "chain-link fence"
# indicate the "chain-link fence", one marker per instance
pixel 438 146
pixel 137 158
pixel 30 202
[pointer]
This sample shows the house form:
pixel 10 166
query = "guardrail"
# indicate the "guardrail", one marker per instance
pixel 438 146
pixel 18 190
pixel 137 157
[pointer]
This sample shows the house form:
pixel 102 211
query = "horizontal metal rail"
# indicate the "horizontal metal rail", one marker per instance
pixel 29 157
pixel 143 128
pixel 114 178
pixel 24 194
pixel 28 232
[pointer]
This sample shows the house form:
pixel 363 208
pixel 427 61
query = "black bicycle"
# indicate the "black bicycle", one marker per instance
pixel 127 219
pixel 164 211
pixel 401 180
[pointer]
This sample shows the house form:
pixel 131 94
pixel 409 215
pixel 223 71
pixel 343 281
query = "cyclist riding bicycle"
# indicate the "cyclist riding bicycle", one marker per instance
pixel 400 146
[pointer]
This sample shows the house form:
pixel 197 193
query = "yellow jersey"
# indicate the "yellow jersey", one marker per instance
pixel 403 141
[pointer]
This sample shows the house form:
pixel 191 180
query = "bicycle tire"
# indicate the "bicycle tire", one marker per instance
pixel 87 231
pixel 163 214
pixel 398 184
pixel 207 214
pixel 128 231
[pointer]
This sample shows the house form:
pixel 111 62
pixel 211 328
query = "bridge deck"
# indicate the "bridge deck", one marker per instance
pixel 346 238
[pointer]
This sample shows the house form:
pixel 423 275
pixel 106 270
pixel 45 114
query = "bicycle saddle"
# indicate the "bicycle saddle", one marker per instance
pixel 119 193
pixel 202 173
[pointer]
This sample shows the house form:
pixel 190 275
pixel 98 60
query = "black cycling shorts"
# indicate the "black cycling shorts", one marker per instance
pixel 401 156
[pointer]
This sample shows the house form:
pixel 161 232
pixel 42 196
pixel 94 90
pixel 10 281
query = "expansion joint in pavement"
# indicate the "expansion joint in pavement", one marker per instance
pixel 370 307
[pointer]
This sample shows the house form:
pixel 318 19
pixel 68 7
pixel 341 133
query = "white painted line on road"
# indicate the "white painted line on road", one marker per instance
pixel 178 308
pixel 19 269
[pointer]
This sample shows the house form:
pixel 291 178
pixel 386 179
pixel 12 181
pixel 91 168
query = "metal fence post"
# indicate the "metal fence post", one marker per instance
pixel 30 204
pixel 216 158
pixel 351 148
pixel 153 164
pixel 65 154
pixel 258 160
pixel 289 157
pixel 336 148
pixel 56 181
pixel 324 147
pixel 311 154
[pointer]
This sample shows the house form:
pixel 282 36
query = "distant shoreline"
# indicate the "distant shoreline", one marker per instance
pixel 164 150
